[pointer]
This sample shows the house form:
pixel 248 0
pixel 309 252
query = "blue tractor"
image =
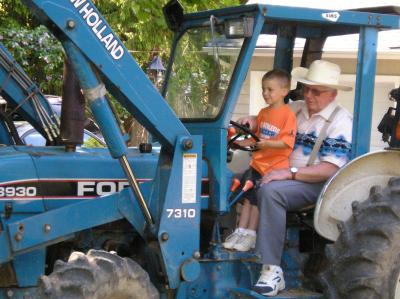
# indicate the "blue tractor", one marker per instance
pixel 122 222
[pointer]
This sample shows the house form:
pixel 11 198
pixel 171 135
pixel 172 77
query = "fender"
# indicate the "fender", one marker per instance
pixel 352 183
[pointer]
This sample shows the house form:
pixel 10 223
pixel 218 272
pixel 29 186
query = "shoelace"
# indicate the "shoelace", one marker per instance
pixel 268 276
pixel 231 236
pixel 246 240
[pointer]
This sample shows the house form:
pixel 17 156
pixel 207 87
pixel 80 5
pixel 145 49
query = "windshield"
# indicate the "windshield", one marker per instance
pixel 201 73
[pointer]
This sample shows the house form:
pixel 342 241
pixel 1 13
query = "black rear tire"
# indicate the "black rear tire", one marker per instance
pixel 364 262
pixel 97 275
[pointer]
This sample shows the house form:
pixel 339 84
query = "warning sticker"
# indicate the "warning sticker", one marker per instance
pixel 189 178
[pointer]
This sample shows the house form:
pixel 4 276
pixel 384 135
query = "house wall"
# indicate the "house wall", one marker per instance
pixel 388 77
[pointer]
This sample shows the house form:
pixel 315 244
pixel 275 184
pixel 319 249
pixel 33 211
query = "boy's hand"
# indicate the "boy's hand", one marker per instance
pixel 251 121
pixel 245 142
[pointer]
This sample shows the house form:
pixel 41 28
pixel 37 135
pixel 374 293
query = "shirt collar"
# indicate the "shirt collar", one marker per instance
pixel 325 113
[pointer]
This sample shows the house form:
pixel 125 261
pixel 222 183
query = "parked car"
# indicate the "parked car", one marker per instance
pixel 28 134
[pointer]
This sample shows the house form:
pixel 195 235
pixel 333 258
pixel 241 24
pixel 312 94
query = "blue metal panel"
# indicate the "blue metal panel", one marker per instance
pixel 88 163
pixel 47 227
pixel 5 252
pixel 122 75
pixel 5 137
pixel 29 266
pixel 219 278
pixel 179 231
pixel 364 91
pixel 215 154
pixel 301 15
pixel 18 167
pixel 284 48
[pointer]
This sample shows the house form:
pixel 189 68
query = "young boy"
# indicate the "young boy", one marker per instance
pixel 276 128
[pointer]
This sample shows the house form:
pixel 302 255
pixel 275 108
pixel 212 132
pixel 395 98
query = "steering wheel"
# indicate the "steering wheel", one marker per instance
pixel 243 131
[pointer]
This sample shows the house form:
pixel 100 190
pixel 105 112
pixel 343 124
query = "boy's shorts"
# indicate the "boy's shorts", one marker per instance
pixel 253 175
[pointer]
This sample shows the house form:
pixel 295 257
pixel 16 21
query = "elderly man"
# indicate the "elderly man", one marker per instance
pixel 323 144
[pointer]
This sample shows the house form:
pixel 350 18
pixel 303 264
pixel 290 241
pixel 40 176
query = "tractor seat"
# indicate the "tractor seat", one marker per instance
pixel 306 209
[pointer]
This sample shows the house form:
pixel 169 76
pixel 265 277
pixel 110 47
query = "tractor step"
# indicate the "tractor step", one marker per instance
pixel 287 294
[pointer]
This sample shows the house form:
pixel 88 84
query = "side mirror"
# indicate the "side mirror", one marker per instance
pixel 173 13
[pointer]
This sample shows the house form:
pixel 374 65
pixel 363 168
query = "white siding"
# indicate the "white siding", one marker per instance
pixel 251 101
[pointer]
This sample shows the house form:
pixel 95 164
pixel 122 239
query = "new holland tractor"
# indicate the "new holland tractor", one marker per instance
pixel 147 222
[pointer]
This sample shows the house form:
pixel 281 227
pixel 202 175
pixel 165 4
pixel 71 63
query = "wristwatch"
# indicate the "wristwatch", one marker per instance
pixel 293 171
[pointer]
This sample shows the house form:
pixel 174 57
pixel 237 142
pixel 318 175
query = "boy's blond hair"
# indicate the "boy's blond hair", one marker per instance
pixel 278 74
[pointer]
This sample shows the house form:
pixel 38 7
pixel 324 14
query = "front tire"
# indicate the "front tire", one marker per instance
pixel 364 262
pixel 97 275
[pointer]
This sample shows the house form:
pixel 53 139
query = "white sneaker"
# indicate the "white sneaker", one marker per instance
pixel 231 240
pixel 271 281
pixel 245 243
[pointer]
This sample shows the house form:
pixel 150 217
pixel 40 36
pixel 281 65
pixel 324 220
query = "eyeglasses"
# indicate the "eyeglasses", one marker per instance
pixel 315 92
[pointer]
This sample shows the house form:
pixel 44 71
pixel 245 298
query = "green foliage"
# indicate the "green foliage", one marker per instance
pixel 13 14
pixel 39 54
pixel 139 24
pixel 92 143
pixel 200 78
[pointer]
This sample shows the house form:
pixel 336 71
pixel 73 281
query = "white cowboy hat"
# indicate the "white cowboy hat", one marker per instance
pixel 321 72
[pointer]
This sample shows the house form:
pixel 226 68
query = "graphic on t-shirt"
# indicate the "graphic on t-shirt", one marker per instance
pixel 339 146
pixel 268 131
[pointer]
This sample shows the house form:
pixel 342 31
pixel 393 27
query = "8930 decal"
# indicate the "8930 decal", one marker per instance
pixel 21 191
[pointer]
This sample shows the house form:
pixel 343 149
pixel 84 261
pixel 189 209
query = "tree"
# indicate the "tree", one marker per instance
pixel 139 24
pixel 14 13
pixel 39 53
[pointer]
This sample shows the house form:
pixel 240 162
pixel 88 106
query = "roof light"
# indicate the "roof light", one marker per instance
pixel 239 28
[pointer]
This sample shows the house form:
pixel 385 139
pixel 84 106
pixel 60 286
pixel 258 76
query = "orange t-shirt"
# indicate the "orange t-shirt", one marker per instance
pixel 274 124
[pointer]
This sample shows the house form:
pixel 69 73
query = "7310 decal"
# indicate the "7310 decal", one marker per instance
pixel 181 213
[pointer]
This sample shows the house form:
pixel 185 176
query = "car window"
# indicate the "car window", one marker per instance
pixel 32 137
